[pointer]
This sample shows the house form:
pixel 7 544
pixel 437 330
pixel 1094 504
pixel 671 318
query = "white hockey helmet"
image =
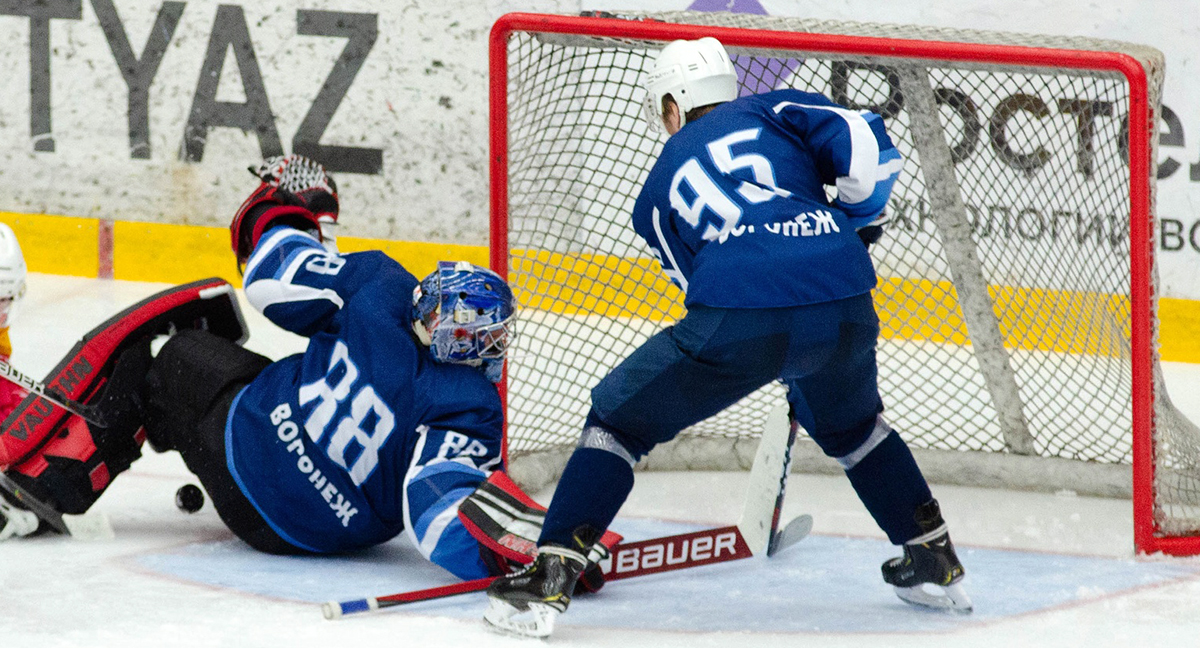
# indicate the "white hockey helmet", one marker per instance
pixel 695 73
pixel 12 274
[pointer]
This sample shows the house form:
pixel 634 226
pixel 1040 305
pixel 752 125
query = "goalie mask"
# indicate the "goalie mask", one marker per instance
pixel 12 275
pixel 465 314
pixel 695 73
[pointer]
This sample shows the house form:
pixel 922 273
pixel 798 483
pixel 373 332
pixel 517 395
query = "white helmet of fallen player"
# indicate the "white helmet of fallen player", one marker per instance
pixel 695 73
pixel 12 275
pixel 465 315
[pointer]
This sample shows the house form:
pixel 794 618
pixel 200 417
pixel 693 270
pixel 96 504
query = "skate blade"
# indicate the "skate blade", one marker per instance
pixel 951 598
pixel 537 622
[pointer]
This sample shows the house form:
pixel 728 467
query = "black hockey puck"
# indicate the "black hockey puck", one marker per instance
pixel 189 498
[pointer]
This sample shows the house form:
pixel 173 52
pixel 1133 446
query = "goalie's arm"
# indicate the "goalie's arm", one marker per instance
pixel 300 286
pixel 446 469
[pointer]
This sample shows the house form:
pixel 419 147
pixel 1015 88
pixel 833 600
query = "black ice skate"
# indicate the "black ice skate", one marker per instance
pixel 527 603
pixel 929 559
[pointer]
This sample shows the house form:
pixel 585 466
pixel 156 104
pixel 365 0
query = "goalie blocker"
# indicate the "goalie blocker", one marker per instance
pixel 506 522
pixel 67 462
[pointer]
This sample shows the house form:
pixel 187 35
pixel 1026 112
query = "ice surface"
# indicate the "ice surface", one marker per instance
pixel 1043 570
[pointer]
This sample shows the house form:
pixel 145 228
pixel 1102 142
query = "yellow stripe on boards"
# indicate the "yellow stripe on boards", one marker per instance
pixel 1179 329
pixel 594 284
pixel 419 258
pixel 181 253
pixel 1029 318
pixel 171 253
pixel 611 286
pixel 56 244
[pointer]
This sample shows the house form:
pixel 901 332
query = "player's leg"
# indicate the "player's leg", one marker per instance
pixel 67 462
pixel 684 374
pixel 507 522
pixel 189 390
pixel 839 405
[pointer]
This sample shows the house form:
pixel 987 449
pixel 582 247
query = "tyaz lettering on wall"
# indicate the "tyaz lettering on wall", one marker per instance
pixel 229 31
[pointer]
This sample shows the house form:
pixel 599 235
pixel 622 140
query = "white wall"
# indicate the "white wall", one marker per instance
pixel 418 103
pixel 72 141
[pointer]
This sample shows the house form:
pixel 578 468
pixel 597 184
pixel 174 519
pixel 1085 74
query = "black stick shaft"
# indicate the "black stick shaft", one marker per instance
pixel 39 508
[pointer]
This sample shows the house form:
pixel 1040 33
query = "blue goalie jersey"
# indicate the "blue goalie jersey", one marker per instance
pixel 736 209
pixel 363 435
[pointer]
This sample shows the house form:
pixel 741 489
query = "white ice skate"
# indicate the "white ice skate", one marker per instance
pixel 17 521
pixel 534 622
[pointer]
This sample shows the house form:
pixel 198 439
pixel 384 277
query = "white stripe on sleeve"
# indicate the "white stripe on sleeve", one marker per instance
pixel 859 183
pixel 674 273
pixel 273 240
pixel 262 293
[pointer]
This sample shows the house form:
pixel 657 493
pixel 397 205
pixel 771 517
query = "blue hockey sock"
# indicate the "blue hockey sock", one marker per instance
pixel 592 489
pixel 891 486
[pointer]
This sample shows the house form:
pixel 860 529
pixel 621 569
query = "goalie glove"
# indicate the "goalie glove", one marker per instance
pixel 295 191
pixel 506 522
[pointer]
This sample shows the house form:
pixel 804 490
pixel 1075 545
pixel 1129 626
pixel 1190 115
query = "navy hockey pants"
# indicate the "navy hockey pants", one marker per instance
pixel 713 357
pixel 189 390
pixel 824 353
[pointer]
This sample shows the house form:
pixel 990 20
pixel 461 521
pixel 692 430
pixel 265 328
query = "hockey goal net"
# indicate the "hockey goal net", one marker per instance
pixel 1016 279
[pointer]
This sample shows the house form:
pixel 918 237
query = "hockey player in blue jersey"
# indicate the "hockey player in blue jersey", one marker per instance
pixel 386 422
pixel 778 286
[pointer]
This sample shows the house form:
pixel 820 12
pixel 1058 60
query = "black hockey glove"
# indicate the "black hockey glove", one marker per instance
pixel 300 181
pixel 870 234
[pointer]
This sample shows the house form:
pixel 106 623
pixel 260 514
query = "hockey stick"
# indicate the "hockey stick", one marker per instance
pixel 627 560
pixel 767 486
pixel 88 413
pixel 757 528
pixel 91 526
pixel 337 609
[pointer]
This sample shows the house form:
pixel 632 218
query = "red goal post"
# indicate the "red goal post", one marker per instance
pixel 1017 282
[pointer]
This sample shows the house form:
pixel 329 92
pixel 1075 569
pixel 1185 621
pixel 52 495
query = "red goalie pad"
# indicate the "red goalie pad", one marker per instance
pixel 61 458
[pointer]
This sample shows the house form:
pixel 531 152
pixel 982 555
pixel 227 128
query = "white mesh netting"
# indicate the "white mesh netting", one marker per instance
pixel 1004 291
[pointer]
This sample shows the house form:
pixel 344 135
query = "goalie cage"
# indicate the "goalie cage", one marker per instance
pixel 1016 290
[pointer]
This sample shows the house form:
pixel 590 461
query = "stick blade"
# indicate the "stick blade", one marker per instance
pixel 795 531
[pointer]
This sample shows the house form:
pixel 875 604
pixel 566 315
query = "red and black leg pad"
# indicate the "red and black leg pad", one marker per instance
pixel 507 523
pixel 67 461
